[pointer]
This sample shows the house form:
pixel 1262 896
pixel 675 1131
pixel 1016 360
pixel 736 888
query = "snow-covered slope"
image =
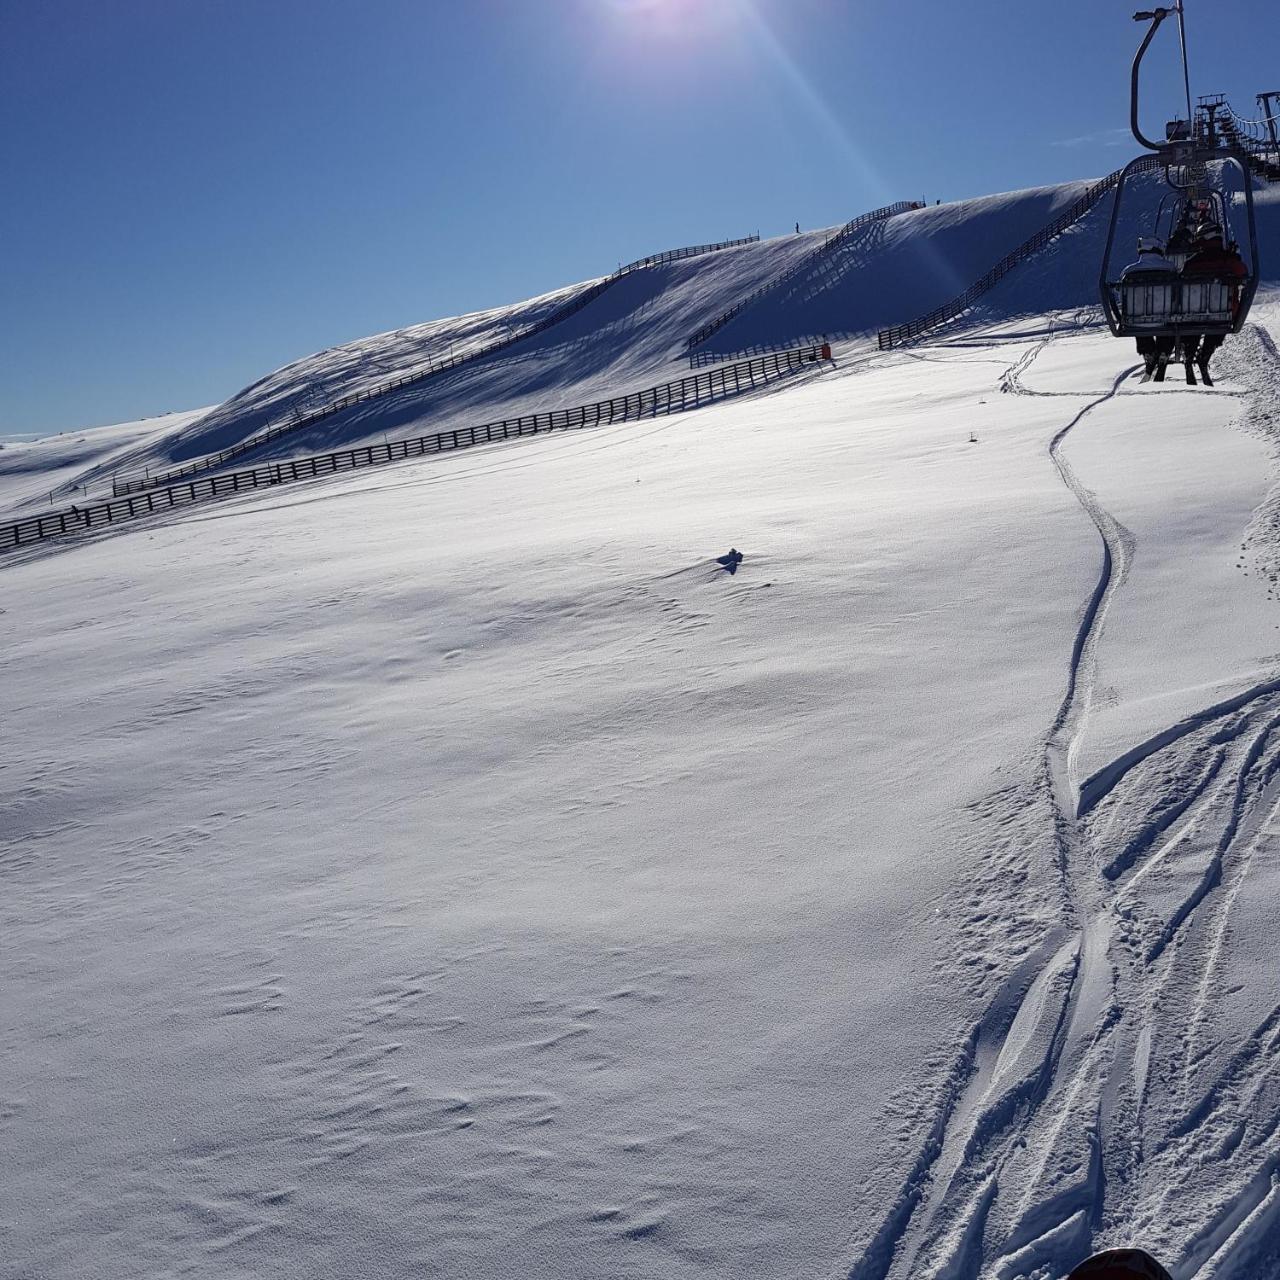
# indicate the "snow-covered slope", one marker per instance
pixel 633 335
pixel 448 870
pixel 33 470
pixel 903 268
pixel 629 337
pixel 1065 275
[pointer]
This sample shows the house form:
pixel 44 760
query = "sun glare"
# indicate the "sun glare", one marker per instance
pixel 691 21
pixel 721 42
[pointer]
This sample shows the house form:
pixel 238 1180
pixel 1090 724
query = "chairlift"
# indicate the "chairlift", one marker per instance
pixel 1194 288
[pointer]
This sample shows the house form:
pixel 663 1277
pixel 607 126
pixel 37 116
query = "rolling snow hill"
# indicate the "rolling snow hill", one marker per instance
pixel 447 869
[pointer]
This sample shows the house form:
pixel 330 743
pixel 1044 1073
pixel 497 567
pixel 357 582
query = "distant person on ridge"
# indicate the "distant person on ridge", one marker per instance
pixel 797 228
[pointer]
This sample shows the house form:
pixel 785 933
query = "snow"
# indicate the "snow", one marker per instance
pixel 628 338
pixel 32 470
pixel 446 869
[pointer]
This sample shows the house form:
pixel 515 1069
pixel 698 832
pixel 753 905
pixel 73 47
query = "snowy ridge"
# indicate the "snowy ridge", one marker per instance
pixel 634 336
pixel 300 421
pixel 807 263
pixel 35 472
pixel 625 341
pixel 956 307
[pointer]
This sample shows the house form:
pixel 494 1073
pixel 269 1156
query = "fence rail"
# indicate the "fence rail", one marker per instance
pixel 678 255
pixel 898 334
pixel 700 359
pixel 829 245
pixel 672 397
pixel 298 421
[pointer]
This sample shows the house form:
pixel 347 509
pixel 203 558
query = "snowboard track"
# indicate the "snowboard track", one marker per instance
pixel 1105 1067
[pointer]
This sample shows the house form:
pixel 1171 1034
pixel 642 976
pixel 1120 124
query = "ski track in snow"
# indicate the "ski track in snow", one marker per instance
pixel 1044 1146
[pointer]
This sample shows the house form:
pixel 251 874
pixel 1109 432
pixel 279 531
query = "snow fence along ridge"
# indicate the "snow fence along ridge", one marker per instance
pixel 671 397
pixel 829 245
pixel 297 422
pixel 899 334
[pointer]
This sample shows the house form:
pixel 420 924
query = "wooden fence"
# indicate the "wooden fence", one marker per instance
pixel 671 397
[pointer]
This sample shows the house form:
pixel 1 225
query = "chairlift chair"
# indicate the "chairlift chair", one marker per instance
pixel 1169 305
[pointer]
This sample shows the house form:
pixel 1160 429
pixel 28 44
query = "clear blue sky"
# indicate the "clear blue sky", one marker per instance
pixel 196 191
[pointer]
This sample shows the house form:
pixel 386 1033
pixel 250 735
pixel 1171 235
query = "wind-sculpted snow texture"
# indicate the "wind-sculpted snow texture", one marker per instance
pixel 448 870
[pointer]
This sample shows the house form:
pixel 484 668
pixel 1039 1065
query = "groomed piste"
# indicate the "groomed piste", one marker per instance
pixel 431 862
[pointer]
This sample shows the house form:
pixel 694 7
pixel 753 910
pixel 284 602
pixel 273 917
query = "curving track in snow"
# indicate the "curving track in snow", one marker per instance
pixel 1109 1092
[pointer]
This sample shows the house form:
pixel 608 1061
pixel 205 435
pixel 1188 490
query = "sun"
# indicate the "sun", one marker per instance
pixel 690 21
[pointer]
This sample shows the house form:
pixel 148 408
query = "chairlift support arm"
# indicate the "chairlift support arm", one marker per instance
pixel 1155 17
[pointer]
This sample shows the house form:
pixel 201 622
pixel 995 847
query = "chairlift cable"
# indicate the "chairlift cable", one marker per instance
pixel 1239 119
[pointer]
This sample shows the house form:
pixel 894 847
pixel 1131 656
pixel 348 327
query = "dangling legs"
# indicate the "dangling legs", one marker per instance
pixel 1208 346
pixel 1164 349
pixel 1147 350
pixel 1190 346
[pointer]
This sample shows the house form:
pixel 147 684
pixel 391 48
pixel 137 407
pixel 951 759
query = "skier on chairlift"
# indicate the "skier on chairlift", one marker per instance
pixel 1182 240
pixel 1153 268
pixel 1212 260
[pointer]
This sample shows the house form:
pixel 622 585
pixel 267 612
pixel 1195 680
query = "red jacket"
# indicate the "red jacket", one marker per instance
pixel 1216 261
